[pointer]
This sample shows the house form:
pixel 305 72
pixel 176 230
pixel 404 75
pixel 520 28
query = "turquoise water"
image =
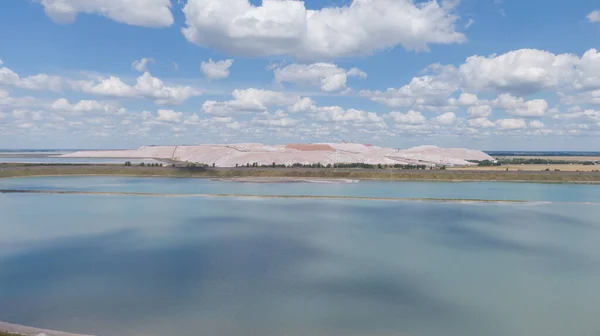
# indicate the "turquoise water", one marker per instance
pixel 447 190
pixel 128 265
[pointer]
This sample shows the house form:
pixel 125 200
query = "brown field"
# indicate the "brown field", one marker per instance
pixel 554 158
pixel 533 168
pixel 536 174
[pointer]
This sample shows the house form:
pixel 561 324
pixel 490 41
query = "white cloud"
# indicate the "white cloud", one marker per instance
pixel 279 119
pixel 224 120
pixel 146 86
pixel 235 125
pixel 594 16
pixel 286 27
pixel 154 88
pixel 536 124
pixel 142 64
pixel 112 86
pixel 20 114
pixel 329 77
pixel 8 77
pixel 481 111
pixel 447 118
pixel 480 123
pixel 145 13
pixel 588 71
pixel 169 116
pixel 249 100
pixel 305 104
pixel 83 106
pixel 216 70
pixel 469 24
pixel 36 82
pixel 338 114
pixel 520 71
pixel 511 124
pixel 426 90
pixel 467 99
pixel 410 118
pixel 521 108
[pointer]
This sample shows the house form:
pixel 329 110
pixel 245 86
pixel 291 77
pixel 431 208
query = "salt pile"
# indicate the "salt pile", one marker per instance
pixel 232 155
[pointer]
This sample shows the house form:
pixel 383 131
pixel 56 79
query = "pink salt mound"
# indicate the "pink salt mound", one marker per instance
pixel 310 148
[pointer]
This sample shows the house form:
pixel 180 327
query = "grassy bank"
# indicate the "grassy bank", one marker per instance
pixel 22 170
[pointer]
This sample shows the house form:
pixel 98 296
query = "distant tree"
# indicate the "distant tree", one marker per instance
pixel 273 164
pixel 128 164
pixel 161 164
pixel 247 165
pixel 329 165
pixel 213 164
pixel 142 164
pixel 380 166
pixel 236 165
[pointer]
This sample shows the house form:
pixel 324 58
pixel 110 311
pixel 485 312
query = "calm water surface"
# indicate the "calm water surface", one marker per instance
pixel 126 265
pixel 446 190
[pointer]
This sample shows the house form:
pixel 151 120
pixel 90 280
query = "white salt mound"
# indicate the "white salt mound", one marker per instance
pixel 230 155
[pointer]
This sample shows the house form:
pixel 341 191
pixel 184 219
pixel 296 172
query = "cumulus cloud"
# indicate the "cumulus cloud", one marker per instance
pixel 521 71
pixel 447 118
pixel 594 16
pixel 145 13
pixel 36 82
pixel 249 100
pixel 515 74
pixel 410 118
pixel 142 64
pixel 588 71
pixel 481 111
pixel 305 104
pixel 83 106
pixel 286 27
pixel 329 77
pixel 278 119
pixel 536 124
pixel 216 70
pixel 467 99
pixel 338 114
pixel 169 116
pixel 146 86
pixel 426 90
pixel 480 123
pixel 511 124
pixel 521 108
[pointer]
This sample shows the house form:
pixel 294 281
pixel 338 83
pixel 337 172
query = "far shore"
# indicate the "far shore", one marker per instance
pixel 9 329
pixel 10 170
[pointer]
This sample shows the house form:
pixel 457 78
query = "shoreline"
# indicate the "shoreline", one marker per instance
pixel 273 175
pixel 9 329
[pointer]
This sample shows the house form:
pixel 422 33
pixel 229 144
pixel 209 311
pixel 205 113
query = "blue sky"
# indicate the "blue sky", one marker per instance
pixel 485 74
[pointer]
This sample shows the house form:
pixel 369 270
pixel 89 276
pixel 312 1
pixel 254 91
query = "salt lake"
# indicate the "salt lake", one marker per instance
pixel 134 265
